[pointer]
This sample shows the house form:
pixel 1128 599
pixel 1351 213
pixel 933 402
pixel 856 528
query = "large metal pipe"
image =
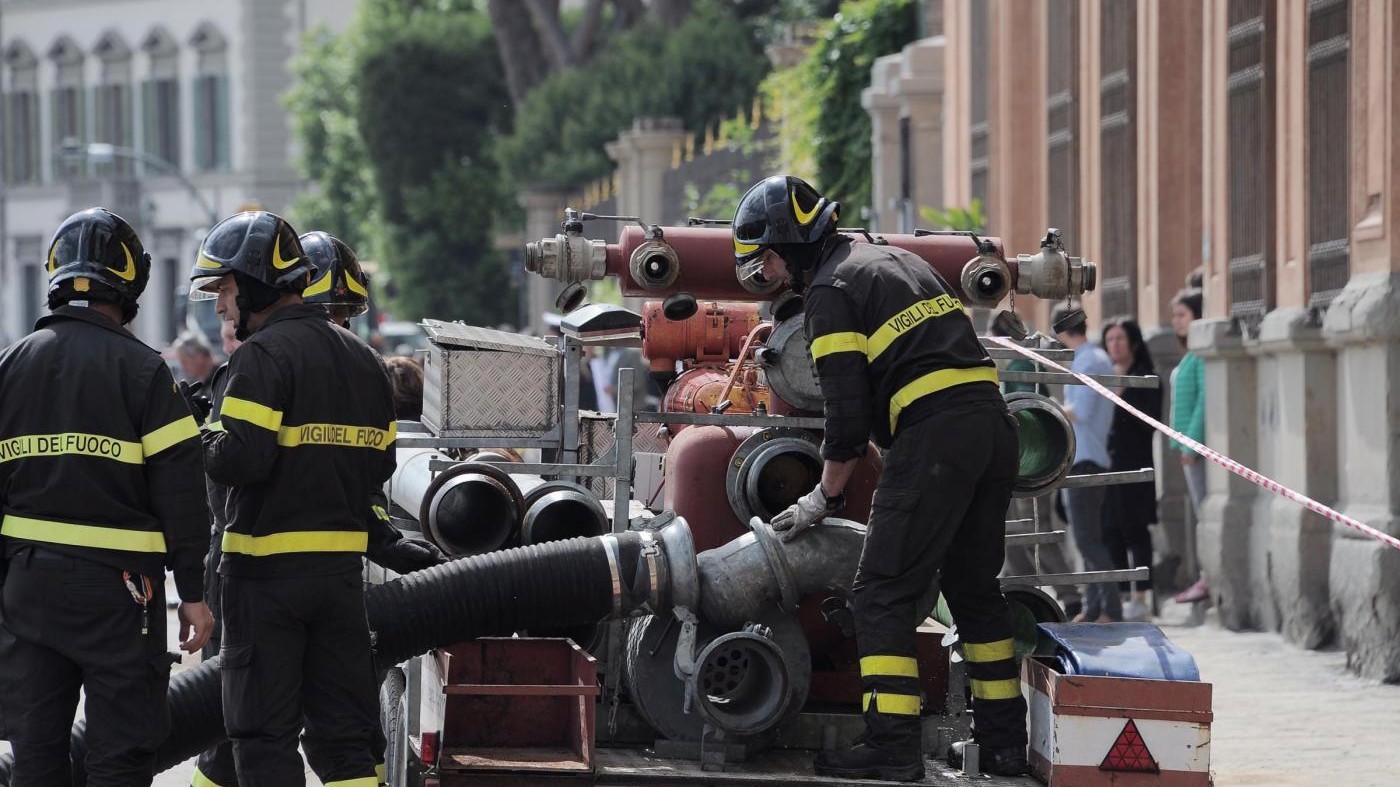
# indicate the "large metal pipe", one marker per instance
pixel 556 510
pixel 469 509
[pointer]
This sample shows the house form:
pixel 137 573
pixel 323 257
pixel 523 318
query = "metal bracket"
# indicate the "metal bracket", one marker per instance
pixel 685 647
pixel 712 749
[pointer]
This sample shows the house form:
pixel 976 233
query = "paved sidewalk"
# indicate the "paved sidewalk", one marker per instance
pixel 1286 716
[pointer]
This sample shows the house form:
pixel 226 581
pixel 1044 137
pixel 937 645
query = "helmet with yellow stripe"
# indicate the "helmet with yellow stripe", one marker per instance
pixel 779 211
pixel 96 255
pixel 261 247
pixel 340 284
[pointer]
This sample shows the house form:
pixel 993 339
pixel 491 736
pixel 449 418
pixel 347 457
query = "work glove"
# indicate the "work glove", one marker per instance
pixel 407 555
pixel 200 404
pixel 809 509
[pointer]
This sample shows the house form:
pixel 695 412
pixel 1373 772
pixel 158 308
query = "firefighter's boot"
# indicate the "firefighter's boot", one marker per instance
pixel 889 749
pixel 1004 761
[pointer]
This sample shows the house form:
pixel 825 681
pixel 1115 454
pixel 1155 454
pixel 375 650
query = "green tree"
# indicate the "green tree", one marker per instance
pixel 344 200
pixel 431 101
pixel 825 132
pixel 705 69
pixel 970 219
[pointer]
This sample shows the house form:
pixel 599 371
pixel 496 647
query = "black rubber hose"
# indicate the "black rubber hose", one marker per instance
pixel 559 583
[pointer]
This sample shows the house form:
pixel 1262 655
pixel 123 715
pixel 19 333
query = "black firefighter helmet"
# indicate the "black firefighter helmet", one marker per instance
pixel 96 255
pixel 264 255
pixel 340 285
pixel 781 210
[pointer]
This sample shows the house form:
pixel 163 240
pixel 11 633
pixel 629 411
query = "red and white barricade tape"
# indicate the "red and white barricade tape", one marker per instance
pixel 1214 456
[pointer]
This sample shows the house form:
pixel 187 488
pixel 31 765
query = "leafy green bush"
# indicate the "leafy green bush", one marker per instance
pixel 825 134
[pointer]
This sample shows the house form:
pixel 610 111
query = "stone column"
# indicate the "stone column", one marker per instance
pixel 921 93
pixel 1298 448
pixel 1227 517
pixel 1363 324
pixel 544 209
pixel 643 155
pixel 881 103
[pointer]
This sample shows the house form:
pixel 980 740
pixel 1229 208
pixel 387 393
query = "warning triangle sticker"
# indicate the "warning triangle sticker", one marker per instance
pixel 1129 753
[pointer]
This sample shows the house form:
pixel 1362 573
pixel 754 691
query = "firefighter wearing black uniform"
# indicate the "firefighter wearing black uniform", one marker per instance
pixel 306 432
pixel 897 358
pixel 341 287
pixel 102 489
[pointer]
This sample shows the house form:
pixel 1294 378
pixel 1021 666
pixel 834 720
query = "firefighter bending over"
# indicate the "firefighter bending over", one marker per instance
pixel 897 357
pixel 102 490
pixel 306 432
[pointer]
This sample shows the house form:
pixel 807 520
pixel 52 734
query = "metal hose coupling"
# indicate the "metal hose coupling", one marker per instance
pixel 1053 274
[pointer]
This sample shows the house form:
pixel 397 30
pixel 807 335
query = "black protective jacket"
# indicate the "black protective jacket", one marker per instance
pixel 891 344
pixel 305 435
pixel 98 451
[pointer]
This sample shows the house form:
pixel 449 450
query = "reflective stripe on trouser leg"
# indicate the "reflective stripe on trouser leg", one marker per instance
pixel 891 685
pixel 215 768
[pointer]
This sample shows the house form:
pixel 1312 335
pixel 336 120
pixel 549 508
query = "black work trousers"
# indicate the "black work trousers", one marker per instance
pixel 68 624
pixel 939 514
pixel 297 650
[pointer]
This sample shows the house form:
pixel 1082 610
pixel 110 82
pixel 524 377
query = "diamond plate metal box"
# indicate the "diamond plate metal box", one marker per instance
pixel 479 382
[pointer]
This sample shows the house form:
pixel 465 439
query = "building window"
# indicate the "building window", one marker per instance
pixel 907 207
pixel 69 109
pixel 29 254
pixel 112 102
pixel 1249 117
pixel 1118 151
pixel 21 130
pixel 980 168
pixel 1329 220
pixel 1062 118
pixel 160 100
pixel 211 101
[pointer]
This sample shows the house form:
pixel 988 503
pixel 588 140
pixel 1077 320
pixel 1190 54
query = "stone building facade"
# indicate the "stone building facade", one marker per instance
pixel 1251 140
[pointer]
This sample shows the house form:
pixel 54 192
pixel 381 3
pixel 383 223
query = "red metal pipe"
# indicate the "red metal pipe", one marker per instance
pixel 706 260
pixel 712 335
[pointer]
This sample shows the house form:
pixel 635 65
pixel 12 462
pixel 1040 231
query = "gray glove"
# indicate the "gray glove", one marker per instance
pixel 809 509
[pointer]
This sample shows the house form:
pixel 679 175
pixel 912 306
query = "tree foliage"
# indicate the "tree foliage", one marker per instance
pixel 431 101
pixel 706 68
pixel 322 103
pixel 825 132
pixel 970 219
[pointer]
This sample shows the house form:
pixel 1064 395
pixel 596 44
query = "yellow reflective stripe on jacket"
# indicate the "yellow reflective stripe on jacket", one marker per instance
pixel 896 704
pixel 982 652
pixel 75 535
pixel 363 781
pixel 381 513
pixel 71 444
pixel 844 342
pixel 934 382
pixel 996 689
pixel 176 431
pixel 200 780
pixel 296 541
pixel 911 317
pixel 337 434
pixel 894 666
pixel 252 412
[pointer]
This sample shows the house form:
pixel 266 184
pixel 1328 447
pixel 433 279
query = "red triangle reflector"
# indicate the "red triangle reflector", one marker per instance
pixel 1129 753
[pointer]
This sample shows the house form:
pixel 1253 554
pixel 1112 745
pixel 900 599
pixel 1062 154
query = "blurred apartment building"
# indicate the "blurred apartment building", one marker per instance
pixel 1253 140
pixel 166 111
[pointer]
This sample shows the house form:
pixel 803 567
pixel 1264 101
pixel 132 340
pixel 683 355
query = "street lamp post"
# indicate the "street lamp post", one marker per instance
pixel 106 153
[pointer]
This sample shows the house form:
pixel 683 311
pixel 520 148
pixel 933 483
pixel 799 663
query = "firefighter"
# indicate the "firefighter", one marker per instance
pixel 306 432
pixel 897 357
pixel 102 490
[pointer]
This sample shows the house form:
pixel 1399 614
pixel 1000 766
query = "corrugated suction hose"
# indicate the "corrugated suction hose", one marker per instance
pixel 589 579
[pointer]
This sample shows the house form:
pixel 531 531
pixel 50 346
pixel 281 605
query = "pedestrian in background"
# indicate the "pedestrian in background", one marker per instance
pixel 1189 418
pixel 1092 415
pixel 1130 508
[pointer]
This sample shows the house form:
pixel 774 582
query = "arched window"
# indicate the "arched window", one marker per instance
pixel 69 120
pixel 112 99
pixel 21 131
pixel 160 98
pixel 211 100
